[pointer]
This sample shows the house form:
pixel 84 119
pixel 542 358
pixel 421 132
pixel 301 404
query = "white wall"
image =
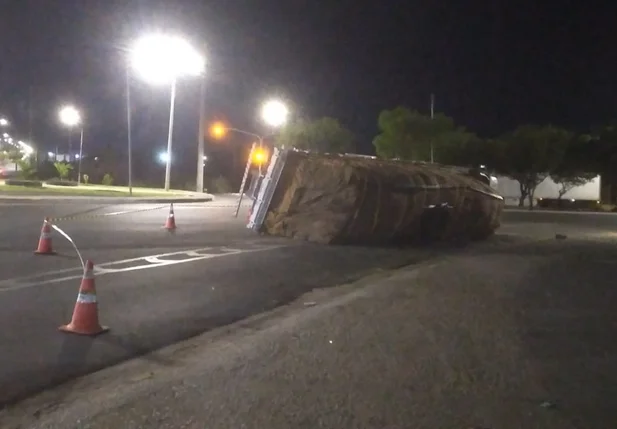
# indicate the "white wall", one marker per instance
pixel 510 191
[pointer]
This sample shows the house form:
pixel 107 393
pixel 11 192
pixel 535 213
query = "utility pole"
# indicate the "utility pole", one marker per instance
pixel 432 117
pixel 201 137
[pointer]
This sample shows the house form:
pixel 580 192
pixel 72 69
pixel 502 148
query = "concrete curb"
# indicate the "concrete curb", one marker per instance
pixel 109 200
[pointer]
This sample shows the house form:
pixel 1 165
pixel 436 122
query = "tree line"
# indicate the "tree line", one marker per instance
pixel 528 154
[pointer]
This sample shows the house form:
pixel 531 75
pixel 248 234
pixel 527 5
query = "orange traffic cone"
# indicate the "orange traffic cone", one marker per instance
pixel 170 224
pixel 45 247
pixel 85 319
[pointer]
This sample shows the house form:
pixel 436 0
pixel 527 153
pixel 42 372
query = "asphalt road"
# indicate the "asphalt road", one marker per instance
pixel 154 287
pixel 514 332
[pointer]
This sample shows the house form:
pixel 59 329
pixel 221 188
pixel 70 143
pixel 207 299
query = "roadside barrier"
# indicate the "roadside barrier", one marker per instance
pixel 85 320
pixel 45 245
pixel 70 240
pixel 170 223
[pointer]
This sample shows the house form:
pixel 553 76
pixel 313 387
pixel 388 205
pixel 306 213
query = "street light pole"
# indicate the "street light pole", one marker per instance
pixel 201 137
pixel 128 126
pixel 170 135
pixel 81 149
pixel 164 58
pixel 70 132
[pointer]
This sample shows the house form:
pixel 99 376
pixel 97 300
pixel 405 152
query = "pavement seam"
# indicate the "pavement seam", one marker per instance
pixel 98 215
pixel 225 206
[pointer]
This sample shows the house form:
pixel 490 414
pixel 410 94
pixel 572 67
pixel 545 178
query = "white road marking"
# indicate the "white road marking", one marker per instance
pixel 152 261
pixel 120 213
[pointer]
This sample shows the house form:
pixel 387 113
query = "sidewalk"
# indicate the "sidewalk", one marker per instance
pixel 441 345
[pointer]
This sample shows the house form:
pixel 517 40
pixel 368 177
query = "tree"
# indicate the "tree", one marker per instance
pixel 601 151
pixel 14 155
pixel 602 159
pixel 407 134
pixel 27 167
pixel 574 169
pixel 322 135
pixel 529 154
pixel 63 169
pixel 108 180
pixel 570 180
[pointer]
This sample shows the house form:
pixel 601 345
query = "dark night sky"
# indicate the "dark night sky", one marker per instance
pixel 492 64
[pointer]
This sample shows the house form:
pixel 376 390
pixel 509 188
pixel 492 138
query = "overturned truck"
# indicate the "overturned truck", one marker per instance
pixel 354 199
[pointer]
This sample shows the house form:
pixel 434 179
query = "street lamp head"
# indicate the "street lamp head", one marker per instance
pixel 4 122
pixel 218 130
pixel 69 116
pixel 274 113
pixel 161 58
pixel 163 157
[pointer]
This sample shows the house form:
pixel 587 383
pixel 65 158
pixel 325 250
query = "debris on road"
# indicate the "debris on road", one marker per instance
pixel 548 405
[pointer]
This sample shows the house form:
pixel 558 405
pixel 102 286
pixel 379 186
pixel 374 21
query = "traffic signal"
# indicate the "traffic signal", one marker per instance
pixel 260 156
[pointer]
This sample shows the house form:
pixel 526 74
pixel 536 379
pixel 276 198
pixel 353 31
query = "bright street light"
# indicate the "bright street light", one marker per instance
pixel 164 157
pixel 4 122
pixel 163 59
pixel 274 113
pixel 218 130
pixel 26 148
pixel 69 116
